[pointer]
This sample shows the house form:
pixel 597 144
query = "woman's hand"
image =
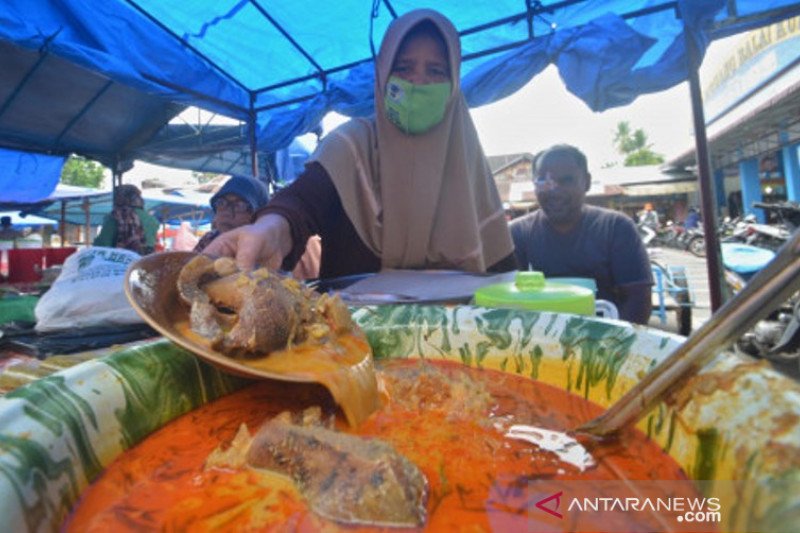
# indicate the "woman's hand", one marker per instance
pixel 264 243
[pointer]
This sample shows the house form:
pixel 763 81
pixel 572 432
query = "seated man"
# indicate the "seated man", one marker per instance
pixel 567 238
pixel 648 223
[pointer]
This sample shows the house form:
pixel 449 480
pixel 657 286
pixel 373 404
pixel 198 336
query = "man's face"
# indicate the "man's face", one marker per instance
pixel 560 186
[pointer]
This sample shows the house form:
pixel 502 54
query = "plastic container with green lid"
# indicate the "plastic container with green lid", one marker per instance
pixel 530 290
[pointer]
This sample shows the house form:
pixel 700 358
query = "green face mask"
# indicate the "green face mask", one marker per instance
pixel 415 108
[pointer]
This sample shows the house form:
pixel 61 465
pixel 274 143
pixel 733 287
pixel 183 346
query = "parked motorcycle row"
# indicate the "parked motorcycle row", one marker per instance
pixel 744 230
pixel 747 245
pixel 770 236
pixel 676 236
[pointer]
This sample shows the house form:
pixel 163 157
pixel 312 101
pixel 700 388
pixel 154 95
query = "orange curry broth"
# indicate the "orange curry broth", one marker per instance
pixel 476 476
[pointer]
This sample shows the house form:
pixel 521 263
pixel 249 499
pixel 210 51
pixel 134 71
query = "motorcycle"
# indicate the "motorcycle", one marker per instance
pixel 787 213
pixel 772 236
pixel 668 235
pixel 777 337
pixel 762 235
pixel 696 242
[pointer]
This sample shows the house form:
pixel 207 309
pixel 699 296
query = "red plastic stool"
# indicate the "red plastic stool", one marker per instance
pixel 25 265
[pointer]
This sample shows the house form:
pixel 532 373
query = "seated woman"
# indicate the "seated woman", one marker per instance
pixel 408 188
pixel 234 205
pixel 128 225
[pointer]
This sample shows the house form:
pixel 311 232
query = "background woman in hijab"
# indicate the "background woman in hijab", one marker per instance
pixel 128 225
pixel 409 188
pixel 234 205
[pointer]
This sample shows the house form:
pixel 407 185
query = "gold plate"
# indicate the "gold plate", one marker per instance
pixel 152 289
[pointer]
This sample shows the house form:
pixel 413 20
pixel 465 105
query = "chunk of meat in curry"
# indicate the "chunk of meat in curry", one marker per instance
pixel 253 313
pixel 345 478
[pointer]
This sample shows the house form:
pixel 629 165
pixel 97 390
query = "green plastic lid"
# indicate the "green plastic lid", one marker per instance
pixel 531 291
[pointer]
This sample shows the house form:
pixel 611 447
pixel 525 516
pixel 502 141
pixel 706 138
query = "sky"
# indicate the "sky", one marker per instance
pixel 544 113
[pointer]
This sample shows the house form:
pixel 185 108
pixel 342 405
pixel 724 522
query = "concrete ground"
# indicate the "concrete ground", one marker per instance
pixel 697 277
pixel 698 284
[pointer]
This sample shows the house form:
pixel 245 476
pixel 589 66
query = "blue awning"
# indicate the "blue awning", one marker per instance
pixel 27 177
pixel 168 207
pixel 289 63
pixel 21 220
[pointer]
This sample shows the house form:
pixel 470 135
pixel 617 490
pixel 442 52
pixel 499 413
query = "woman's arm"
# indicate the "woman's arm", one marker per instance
pixel 278 236
pixel 307 206
pixel 265 242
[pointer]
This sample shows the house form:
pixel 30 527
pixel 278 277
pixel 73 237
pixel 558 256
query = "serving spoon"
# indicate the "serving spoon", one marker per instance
pixel 772 285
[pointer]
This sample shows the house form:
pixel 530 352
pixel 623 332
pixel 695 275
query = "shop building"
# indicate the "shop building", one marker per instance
pixel 752 111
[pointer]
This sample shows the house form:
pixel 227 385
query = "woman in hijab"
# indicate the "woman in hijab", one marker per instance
pixel 234 205
pixel 128 225
pixel 409 188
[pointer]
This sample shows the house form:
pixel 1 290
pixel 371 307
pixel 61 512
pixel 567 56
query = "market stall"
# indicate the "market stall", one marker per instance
pixel 734 424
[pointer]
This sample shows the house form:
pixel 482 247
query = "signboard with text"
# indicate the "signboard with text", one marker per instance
pixel 759 58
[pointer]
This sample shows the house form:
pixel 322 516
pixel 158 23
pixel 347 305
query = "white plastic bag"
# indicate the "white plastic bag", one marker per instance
pixel 89 292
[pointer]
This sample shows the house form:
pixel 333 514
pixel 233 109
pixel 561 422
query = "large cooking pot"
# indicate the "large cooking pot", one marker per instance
pixel 736 421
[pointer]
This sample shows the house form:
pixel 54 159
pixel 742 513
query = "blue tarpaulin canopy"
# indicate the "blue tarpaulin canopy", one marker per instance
pixel 52 105
pixel 27 176
pixel 287 64
pixel 221 149
pixel 167 207
pixel 20 220
pixel 75 203
pixel 62 193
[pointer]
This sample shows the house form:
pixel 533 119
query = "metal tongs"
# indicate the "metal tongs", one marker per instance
pixel 772 285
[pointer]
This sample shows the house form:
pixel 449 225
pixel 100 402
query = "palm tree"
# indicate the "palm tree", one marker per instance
pixel 634 146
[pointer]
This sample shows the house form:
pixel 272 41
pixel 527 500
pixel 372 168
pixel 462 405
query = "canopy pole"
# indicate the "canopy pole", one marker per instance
pixel 62 230
pixel 116 176
pixel 251 126
pixel 707 194
pixel 88 227
pixel 164 214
